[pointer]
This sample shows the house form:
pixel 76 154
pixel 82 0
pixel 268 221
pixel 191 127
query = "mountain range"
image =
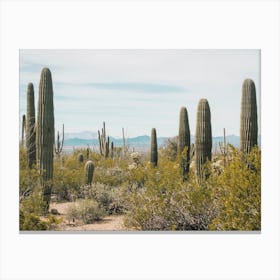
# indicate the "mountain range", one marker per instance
pixel 142 142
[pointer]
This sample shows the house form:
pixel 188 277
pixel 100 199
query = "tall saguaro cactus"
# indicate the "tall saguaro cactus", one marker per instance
pixel 184 141
pixel 45 134
pixel 154 149
pixel 30 126
pixel 248 117
pixel 203 137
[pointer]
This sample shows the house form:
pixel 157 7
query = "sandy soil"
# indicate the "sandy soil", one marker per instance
pixel 108 223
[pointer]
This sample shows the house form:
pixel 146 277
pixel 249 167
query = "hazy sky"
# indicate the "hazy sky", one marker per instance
pixel 141 89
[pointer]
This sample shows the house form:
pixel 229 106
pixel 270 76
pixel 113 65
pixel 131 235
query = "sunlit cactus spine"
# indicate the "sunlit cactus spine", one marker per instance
pixel 248 117
pixel 45 135
pixel 154 148
pixel 89 169
pixel 80 158
pixel 30 126
pixel 184 141
pixel 203 138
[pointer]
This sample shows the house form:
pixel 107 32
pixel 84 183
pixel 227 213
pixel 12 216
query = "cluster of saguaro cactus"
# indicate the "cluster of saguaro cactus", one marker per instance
pixel 59 144
pixel 104 143
pixel 184 141
pixel 40 141
pixel 30 126
pixel 89 169
pixel 45 134
pixel 154 148
pixel 248 117
pixel 203 137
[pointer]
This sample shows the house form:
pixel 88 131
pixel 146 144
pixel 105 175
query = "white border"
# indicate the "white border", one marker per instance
pixel 190 24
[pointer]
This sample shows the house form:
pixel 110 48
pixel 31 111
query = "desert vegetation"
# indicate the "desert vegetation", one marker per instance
pixel 178 186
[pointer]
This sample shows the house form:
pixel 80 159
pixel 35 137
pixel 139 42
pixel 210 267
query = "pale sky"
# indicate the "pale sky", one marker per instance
pixel 141 89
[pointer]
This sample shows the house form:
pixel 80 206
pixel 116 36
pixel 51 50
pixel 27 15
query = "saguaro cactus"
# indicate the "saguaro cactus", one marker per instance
pixel 23 128
pixel 30 126
pixel 154 149
pixel 59 144
pixel 45 134
pixel 248 117
pixel 184 141
pixel 103 142
pixel 112 150
pixel 89 169
pixel 203 137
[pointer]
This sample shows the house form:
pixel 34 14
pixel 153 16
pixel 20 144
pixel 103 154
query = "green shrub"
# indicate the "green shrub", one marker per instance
pixel 28 177
pixel 175 205
pixel 86 210
pixel 238 193
pixel 109 198
pixel 29 221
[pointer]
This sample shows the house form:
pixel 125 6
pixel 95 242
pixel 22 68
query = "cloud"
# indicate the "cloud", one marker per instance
pixel 135 87
pixel 142 88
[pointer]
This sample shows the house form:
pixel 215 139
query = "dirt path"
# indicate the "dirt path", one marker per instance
pixel 108 223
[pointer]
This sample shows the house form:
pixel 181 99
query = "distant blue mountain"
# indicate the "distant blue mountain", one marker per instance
pixel 143 142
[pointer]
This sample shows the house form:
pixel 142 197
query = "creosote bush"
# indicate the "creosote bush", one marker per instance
pixel 86 211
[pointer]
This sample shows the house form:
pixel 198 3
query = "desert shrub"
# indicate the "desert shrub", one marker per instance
pixel 109 198
pixel 85 210
pixel 166 203
pixel 69 178
pixel 72 213
pixel 30 221
pixel 29 178
pixel 228 200
pixel 30 198
pixel 238 193
pixel 169 149
pixel 112 176
pixel 33 204
pixel 32 216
